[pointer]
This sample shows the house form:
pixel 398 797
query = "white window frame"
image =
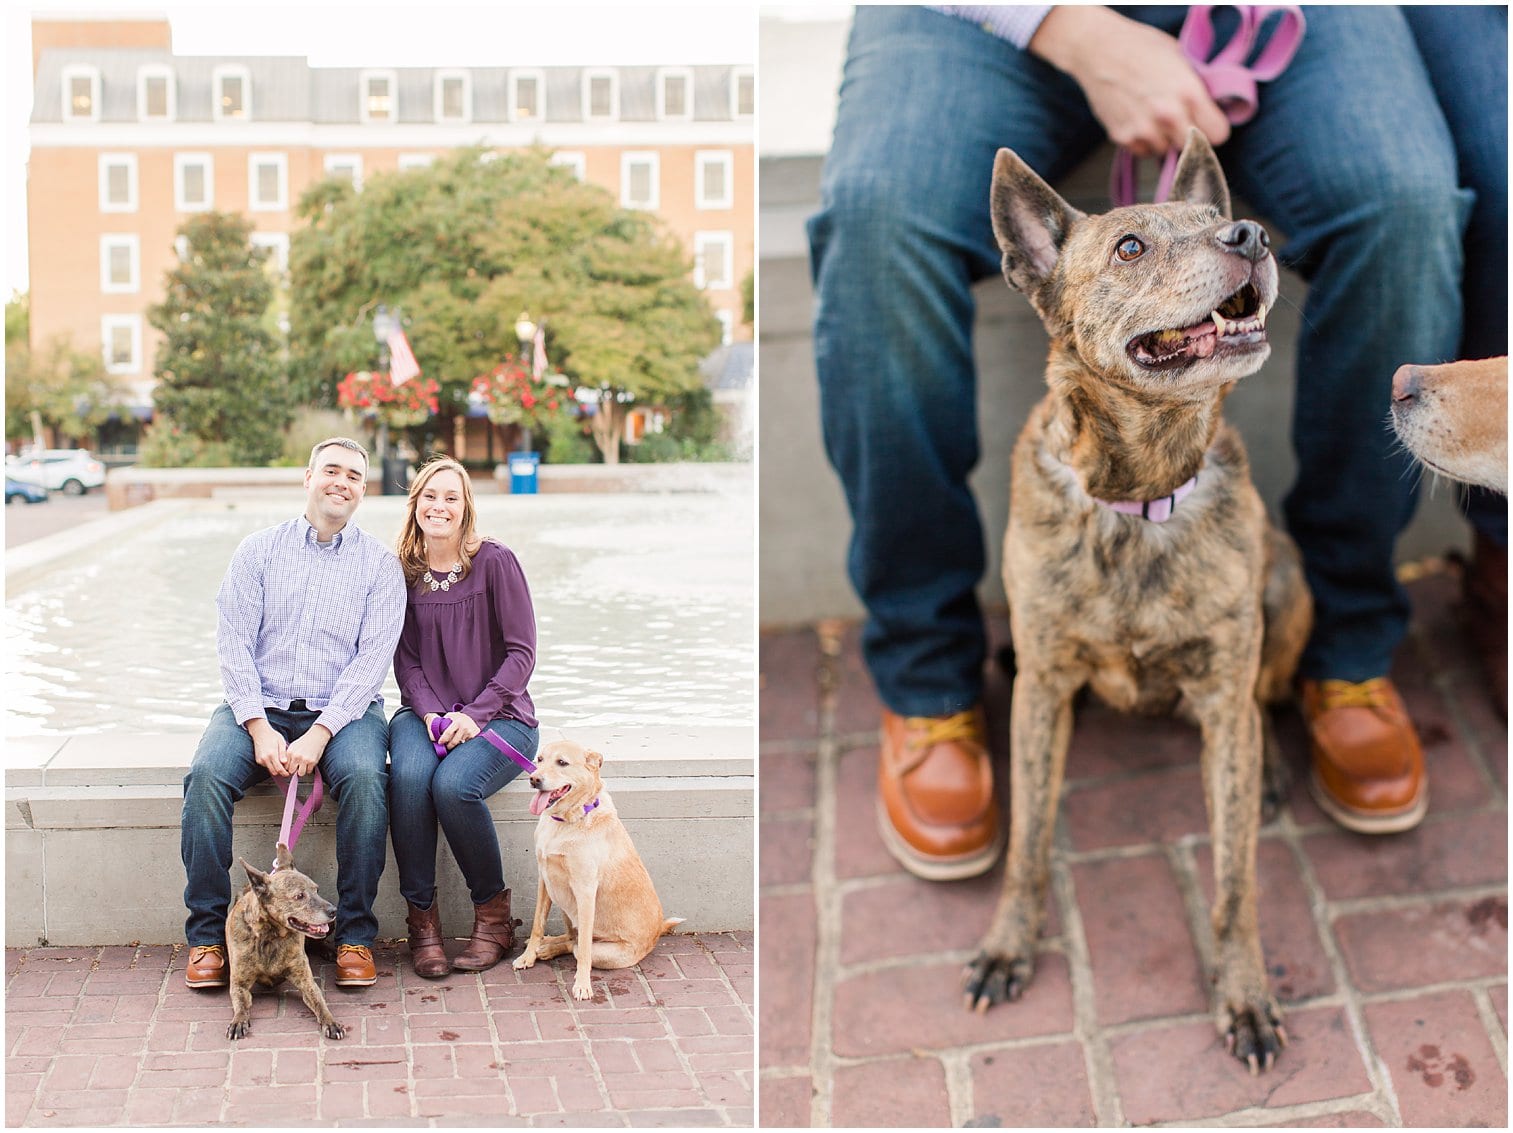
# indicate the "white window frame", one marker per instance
pixel 539 78
pixel 735 93
pixel 352 159
pixel 108 325
pixel 704 158
pixel 133 246
pixel 180 162
pixel 684 73
pixel 652 158
pixel 129 160
pixel 441 79
pixel 727 326
pixel 589 75
pixel 171 99
pixel 281 203
pixel 575 160
pixel 416 161
pixel 363 114
pixel 279 242
pixel 702 240
pixel 231 71
pixel 81 70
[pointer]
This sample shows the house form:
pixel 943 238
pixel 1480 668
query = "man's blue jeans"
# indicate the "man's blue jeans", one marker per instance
pixel 1351 157
pixel 425 791
pixel 353 767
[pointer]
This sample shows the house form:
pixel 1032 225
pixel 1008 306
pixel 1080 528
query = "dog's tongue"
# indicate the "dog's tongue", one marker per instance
pixel 540 802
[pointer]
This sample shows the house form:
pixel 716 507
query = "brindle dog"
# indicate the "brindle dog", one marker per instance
pixel 265 940
pixel 1154 312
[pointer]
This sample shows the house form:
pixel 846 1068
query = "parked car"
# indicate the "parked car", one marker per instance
pixel 31 493
pixel 71 470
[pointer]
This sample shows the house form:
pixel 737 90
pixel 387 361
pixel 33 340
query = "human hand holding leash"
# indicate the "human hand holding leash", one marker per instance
pixel 305 752
pixel 268 747
pixel 461 729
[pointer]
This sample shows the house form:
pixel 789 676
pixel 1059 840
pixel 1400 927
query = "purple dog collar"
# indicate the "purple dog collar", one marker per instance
pixel 588 808
pixel 441 724
pixel 1157 511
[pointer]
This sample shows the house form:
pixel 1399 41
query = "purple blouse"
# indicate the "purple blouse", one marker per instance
pixel 473 644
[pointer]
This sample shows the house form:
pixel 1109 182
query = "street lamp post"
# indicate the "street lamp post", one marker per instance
pixel 385 324
pixel 525 333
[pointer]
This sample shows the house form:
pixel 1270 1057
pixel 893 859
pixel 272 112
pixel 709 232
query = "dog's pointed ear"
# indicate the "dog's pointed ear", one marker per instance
pixel 1030 220
pixel 258 878
pixel 1199 179
pixel 592 759
pixel 282 858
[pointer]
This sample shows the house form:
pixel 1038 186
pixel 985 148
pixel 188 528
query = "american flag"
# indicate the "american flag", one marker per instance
pixel 402 364
pixel 538 359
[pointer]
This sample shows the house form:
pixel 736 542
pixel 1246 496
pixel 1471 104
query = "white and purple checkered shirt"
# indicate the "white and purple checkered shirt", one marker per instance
pixel 303 620
pixel 1016 23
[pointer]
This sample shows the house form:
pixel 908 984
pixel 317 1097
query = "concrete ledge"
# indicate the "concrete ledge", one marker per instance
pixel 92 846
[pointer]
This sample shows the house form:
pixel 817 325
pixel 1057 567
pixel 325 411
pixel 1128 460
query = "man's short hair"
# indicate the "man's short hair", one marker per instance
pixel 344 442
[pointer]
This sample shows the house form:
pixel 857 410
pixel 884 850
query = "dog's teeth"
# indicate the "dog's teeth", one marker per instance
pixel 1261 314
pixel 1219 324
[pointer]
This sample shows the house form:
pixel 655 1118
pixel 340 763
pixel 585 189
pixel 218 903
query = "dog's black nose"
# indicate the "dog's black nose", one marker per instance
pixel 1246 238
pixel 535 783
pixel 1406 383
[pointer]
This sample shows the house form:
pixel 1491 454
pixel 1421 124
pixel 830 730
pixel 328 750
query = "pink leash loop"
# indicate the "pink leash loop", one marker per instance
pixel 289 830
pixel 440 725
pixel 1230 80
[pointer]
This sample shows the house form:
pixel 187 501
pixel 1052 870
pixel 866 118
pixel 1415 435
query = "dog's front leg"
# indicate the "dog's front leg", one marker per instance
pixel 527 958
pixel 1041 723
pixel 1245 1012
pixel 304 982
pixel 585 889
pixel 241 1004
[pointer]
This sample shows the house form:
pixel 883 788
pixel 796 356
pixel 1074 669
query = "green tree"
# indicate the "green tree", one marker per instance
pixel 221 382
pixel 463 247
pixel 68 389
pixel 748 298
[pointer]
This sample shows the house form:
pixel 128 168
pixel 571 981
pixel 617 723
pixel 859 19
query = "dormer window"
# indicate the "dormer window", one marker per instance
pixel 601 96
pixel 675 94
pixel 454 96
pixel 156 96
pixel 378 99
pixel 527 96
pixel 81 93
pixel 231 100
pixel 742 93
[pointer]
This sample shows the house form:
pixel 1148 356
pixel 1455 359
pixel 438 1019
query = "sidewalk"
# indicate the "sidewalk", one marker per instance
pixel 112 1036
pixel 1389 955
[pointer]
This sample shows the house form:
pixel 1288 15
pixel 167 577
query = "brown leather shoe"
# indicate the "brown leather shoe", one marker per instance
pixel 493 935
pixel 1368 768
pixel 354 966
pixel 1486 613
pixel 427 956
pixel 936 807
pixel 206 967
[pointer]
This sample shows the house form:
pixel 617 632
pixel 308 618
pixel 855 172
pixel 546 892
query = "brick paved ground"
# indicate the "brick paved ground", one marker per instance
pixel 111 1036
pixel 1388 954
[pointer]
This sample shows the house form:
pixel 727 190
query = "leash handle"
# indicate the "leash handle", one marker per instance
pixel 289 830
pixel 1230 80
pixel 440 725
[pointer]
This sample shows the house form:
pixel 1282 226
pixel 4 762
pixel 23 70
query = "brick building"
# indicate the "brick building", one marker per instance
pixel 128 139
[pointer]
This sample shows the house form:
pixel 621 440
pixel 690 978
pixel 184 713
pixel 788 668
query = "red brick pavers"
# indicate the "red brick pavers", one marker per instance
pixel 112 1036
pixel 1389 955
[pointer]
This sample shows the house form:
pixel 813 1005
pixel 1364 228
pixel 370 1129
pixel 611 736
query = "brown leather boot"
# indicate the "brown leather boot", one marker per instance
pixel 1486 613
pixel 493 935
pixel 427 956
pixel 1368 768
pixel 937 810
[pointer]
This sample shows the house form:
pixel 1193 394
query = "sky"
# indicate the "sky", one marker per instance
pixel 347 33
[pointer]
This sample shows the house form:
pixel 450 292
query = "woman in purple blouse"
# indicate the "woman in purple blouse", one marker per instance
pixel 464 659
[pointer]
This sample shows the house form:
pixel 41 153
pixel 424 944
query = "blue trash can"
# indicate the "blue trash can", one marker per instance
pixel 523 473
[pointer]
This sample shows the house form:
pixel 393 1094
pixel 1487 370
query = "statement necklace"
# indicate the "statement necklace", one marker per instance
pixel 445 583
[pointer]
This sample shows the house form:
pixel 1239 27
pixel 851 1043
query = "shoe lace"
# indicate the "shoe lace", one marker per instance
pixel 1347 694
pixel 203 948
pixel 927 731
pixel 360 949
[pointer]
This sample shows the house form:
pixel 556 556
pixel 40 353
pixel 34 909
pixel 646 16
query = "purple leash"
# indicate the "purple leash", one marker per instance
pixel 1230 80
pixel 289 831
pixel 441 723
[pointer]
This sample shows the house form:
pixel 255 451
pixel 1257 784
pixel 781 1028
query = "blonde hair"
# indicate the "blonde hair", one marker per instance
pixel 412 543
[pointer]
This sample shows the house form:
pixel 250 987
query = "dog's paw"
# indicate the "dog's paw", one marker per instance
pixel 1253 1033
pixel 334 1030
pixel 583 989
pixel 239 1030
pixel 990 979
pixel 524 960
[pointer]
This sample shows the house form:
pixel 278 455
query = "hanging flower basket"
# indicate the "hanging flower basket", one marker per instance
pixel 511 396
pixel 372 391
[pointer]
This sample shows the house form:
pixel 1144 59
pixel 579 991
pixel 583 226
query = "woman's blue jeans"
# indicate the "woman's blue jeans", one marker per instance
pixel 356 781
pixel 425 791
pixel 1368 162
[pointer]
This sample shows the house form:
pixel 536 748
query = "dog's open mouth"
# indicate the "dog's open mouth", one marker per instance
pixel 545 799
pixel 1240 321
pixel 318 931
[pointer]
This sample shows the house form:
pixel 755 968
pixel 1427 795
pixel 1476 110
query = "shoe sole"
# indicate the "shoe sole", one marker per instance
pixel 205 983
pixel 357 983
pixel 938 869
pixel 1391 822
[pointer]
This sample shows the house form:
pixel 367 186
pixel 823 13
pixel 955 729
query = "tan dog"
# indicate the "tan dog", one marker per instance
pixel 1124 573
pixel 265 940
pixel 1454 418
pixel 589 869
